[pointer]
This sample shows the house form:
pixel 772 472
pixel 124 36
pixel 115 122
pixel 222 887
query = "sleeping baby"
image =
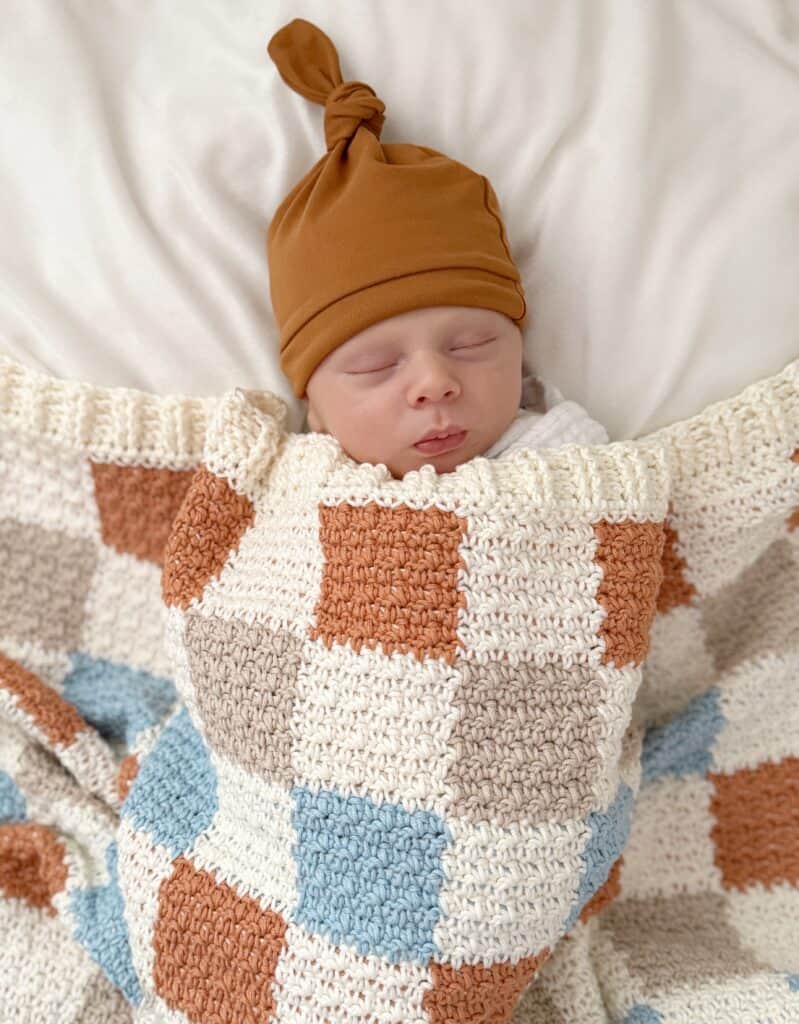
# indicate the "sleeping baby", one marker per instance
pixel 399 304
pixel 438 385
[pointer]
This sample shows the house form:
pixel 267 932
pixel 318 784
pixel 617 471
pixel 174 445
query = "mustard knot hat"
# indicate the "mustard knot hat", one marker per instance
pixel 374 230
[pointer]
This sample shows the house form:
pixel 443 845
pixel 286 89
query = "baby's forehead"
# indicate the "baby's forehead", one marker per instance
pixel 430 321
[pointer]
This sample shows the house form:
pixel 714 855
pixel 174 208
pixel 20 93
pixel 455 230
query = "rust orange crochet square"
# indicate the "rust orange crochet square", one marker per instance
pixel 390 579
pixel 215 950
pixel 476 992
pixel 137 506
pixel 756 835
pixel 630 556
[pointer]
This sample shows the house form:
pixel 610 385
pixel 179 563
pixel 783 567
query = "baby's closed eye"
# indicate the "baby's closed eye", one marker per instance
pixel 472 344
pixel 371 369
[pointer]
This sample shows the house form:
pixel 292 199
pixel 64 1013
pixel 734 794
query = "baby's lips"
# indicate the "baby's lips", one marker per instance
pixel 440 445
pixel 439 432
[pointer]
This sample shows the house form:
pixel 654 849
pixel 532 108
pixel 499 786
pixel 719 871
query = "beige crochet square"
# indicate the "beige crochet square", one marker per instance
pixel 670 850
pixel 678 942
pixel 738 1000
pixel 742 527
pixel 531 592
pixel 46 577
pixel 766 918
pixel 103 1003
pixel 45 977
pixel 276 571
pixel 45 485
pixel 125 614
pixel 567 988
pixel 758 613
pixel 244 678
pixel 54 794
pixel 537 1007
pixel 375 726
pixel 527 740
pixel 761 713
pixel 51 666
pixel 153 1010
pixel 143 867
pixel 251 839
pixel 679 666
pixel 496 902
pixel 318 981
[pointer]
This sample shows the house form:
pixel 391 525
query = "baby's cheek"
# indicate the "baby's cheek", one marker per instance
pixel 365 423
pixel 315 421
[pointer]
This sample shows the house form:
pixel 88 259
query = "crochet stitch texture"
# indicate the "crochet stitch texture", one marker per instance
pixel 284 739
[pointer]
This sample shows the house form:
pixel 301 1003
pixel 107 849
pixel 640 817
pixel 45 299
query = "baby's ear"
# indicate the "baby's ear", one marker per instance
pixel 312 421
pixel 533 392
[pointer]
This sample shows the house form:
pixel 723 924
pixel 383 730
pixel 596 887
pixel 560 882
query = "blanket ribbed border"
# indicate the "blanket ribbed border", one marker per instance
pixel 128 426
pixel 119 425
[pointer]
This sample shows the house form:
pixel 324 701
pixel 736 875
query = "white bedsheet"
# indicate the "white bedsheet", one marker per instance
pixel 645 153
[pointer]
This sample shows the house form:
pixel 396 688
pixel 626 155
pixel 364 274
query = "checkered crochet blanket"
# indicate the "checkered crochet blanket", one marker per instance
pixel 283 739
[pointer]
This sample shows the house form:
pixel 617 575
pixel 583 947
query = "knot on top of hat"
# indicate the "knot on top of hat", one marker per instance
pixel 308 62
pixel 350 105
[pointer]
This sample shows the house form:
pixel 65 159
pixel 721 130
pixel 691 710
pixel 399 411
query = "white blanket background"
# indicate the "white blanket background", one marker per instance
pixel 645 154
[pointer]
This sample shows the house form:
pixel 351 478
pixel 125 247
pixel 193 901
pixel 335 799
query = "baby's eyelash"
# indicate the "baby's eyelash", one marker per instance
pixel 476 344
pixel 388 366
pixel 374 369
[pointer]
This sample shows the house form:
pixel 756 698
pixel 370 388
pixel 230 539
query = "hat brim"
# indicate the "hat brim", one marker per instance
pixel 349 315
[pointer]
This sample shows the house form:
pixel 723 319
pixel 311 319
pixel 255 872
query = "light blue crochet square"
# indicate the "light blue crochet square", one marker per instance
pixel 642 1014
pixel 173 797
pixel 119 701
pixel 100 927
pixel 12 801
pixel 684 745
pixel 610 830
pixel 368 875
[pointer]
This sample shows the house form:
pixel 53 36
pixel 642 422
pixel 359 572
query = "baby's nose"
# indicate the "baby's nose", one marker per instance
pixel 434 395
pixel 433 382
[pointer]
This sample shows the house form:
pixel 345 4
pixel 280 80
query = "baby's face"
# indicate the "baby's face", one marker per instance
pixel 451 373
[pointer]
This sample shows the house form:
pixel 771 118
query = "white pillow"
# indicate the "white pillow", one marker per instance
pixel 645 156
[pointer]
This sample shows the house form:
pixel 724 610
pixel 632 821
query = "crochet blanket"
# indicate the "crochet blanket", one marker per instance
pixel 283 739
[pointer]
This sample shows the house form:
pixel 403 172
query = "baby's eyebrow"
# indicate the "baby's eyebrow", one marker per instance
pixel 378 347
pixel 371 354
